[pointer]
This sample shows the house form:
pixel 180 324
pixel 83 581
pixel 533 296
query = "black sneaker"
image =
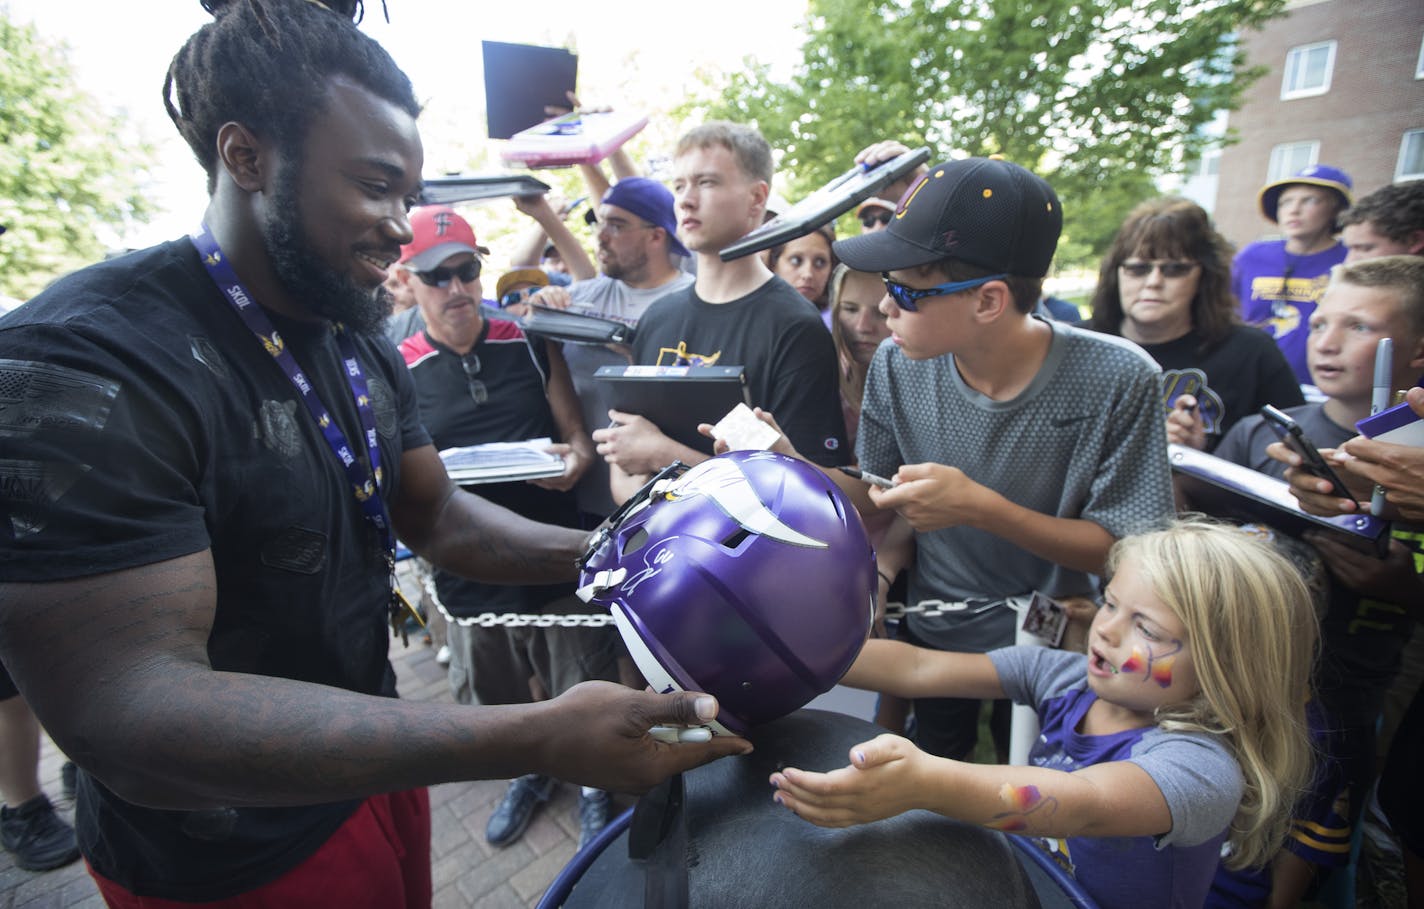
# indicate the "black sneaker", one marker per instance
pixel 593 815
pixel 516 809
pixel 37 837
pixel 68 779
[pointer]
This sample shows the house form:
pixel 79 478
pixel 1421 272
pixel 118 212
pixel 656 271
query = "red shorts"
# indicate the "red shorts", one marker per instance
pixel 379 858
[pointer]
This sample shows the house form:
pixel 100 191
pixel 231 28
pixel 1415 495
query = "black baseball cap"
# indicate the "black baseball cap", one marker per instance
pixel 981 211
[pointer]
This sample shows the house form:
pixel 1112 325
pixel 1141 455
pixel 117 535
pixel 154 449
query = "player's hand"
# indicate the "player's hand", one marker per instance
pixel 1184 423
pixel 633 443
pixel 932 497
pixel 883 780
pixel 597 734
pixel 1316 495
pixel 1391 579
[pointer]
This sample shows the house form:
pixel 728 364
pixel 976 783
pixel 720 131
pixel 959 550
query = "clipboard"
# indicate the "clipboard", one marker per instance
pixel 1223 488
pixel 521 80
pixel 677 398
pixel 453 188
pixel 825 204
pixel 580 328
pixel 576 138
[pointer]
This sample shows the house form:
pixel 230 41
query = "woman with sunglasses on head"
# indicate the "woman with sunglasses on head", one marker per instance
pixel 1165 284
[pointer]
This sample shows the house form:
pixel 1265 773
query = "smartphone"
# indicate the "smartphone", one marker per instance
pixel 1289 432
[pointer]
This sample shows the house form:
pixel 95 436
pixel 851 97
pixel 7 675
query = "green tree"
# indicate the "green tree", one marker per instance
pixel 69 173
pixel 1098 96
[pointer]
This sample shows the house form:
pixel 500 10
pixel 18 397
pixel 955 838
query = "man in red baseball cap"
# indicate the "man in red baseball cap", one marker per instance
pixel 439 237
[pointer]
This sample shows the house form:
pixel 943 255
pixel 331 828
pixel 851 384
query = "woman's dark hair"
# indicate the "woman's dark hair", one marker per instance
pixel 266 64
pixel 1176 229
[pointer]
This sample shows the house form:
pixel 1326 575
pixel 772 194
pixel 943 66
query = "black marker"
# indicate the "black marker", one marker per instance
pixel 867 477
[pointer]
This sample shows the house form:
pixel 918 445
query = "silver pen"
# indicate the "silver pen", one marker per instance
pixel 1379 400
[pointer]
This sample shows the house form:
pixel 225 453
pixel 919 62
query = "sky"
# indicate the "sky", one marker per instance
pixel 636 54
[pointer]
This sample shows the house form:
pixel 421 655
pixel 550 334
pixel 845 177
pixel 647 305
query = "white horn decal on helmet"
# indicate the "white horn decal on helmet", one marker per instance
pixel 723 482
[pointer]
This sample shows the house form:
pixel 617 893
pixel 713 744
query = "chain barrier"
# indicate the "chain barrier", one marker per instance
pixel 514 619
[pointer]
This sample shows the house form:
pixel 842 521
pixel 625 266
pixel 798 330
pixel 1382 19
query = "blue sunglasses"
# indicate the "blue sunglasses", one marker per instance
pixel 908 298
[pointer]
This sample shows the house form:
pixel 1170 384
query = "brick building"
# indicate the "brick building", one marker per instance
pixel 1344 86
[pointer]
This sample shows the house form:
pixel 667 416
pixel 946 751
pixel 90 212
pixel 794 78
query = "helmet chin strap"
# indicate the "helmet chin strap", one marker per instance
pixel 601 581
pixel 659 679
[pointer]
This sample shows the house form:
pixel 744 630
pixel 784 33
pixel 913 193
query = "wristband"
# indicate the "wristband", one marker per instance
pixel 885 577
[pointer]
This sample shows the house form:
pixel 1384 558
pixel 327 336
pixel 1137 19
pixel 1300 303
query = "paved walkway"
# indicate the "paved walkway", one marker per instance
pixel 467 871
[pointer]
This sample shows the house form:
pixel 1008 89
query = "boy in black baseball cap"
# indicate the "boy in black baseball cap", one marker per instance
pixel 1020 448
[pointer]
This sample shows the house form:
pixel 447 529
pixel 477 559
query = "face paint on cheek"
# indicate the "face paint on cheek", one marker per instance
pixel 1162 671
pixel 1154 665
pixel 1135 663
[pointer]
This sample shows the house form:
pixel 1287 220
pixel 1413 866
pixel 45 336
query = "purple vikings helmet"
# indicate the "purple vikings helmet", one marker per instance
pixel 749 577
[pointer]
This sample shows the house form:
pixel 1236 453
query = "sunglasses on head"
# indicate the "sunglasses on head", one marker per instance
pixel 1168 269
pixel 869 220
pixel 908 298
pixel 441 277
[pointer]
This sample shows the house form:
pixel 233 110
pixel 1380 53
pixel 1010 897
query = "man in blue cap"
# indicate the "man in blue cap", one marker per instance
pixel 1279 281
pixel 638 260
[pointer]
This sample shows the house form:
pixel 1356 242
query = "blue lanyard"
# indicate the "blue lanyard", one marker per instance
pixel 365 483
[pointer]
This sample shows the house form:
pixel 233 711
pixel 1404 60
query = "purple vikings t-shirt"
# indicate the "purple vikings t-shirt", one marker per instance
pixel 1196 773
pixel 1278 292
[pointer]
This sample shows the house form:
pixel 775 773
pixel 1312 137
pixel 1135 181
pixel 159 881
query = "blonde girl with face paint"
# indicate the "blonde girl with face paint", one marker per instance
pixel 1181 729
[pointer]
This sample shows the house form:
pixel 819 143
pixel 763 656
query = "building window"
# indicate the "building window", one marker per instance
pixel 1291 158
pixel 1411 156
pixel 1308 70
pixel 1419 66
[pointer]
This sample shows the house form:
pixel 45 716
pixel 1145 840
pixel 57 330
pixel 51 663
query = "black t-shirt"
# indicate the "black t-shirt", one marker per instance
pixel 778 337
pixel 140 420
pixel 514 373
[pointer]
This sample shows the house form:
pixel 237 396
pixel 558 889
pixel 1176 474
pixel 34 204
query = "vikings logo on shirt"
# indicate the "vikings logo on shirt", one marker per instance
pixel 681 357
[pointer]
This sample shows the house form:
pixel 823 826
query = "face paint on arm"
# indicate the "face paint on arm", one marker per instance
pixel 1023 801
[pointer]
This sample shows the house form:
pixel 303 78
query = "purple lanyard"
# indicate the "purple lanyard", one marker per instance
pixel 365 484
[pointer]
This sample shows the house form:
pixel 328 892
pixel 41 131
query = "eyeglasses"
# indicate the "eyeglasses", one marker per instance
pixel 868 221
pixel 1168 269
pixel 908 298
pixel 615 228
pixel 441 277
pixel 479 392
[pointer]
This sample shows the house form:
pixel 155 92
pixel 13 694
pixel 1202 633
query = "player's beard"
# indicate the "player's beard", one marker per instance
pixel 320 288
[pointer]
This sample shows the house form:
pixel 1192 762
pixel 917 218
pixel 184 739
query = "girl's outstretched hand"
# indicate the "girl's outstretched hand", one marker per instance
pixel 882 781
